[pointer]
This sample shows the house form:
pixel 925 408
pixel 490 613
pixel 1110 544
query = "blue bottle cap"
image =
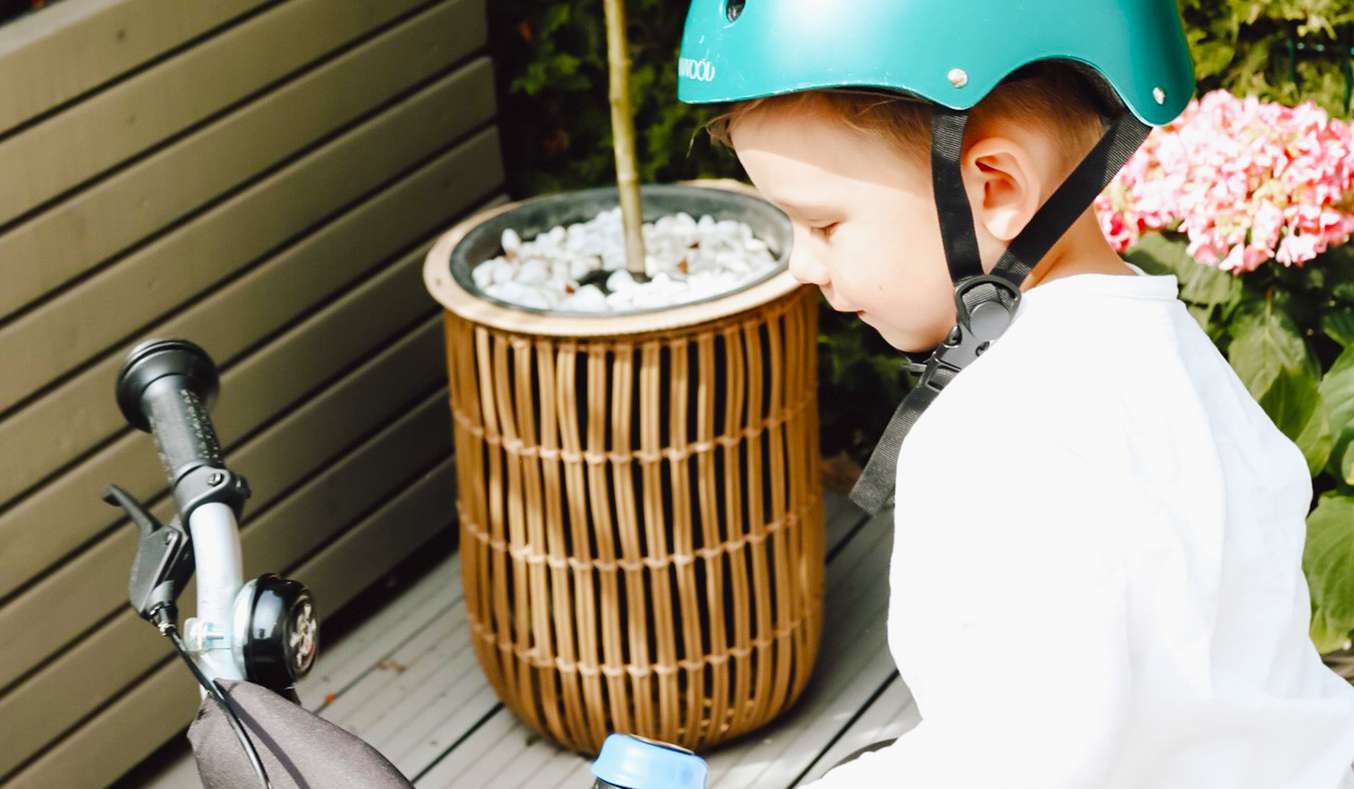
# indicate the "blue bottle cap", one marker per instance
pixel 636 763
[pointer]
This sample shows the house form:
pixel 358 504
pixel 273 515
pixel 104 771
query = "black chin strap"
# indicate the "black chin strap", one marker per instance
pixel 952 203
pixel 985 304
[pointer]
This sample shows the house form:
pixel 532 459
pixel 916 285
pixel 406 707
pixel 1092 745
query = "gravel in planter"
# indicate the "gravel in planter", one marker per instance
pixel 581 267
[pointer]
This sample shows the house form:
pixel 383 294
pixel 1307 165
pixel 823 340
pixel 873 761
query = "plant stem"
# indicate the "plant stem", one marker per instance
pixel 623 135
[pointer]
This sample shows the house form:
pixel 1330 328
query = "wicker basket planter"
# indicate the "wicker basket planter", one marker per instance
pixel 641 521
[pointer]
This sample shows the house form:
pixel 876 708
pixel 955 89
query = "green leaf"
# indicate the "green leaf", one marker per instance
pixel 1316 439
pixel 1338 265
pixel 1157 254
pixel 1327 636
pixel 564 64
pixel 1201 316
pixel 1337 394
pixel 1206 285
pixel 1338 324
pixel 1293 401
pixel 1273 361
pixel 1213 57
pixel 556 17
pixel 1328 561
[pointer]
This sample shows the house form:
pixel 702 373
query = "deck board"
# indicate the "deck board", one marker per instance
pixel 892 714
pixel 343 664
pixel 407 681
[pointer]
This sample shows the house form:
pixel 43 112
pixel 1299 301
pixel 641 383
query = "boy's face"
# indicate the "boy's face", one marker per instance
pixel 865 224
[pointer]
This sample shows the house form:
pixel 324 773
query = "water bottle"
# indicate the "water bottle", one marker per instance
pixel 630 762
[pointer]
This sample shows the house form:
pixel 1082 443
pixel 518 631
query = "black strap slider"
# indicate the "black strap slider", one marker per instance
pixel 938 374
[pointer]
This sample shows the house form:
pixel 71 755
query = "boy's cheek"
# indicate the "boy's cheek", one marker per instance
pixel 912 317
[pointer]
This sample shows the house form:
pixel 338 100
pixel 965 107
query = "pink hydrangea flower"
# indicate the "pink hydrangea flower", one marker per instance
pixel 1246 181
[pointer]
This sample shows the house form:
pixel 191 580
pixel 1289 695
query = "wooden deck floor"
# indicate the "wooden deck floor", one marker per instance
pixel 406 681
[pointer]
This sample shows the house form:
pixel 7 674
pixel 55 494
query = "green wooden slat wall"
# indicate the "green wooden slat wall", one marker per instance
pixel 264 178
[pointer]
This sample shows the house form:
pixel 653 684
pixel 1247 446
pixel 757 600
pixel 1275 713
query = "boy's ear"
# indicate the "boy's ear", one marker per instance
pixel 1004 186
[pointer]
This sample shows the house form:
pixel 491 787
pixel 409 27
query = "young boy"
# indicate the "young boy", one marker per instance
pixel 1096 576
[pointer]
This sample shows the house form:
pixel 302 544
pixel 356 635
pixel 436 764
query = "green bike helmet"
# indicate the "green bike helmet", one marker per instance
pixel 951 53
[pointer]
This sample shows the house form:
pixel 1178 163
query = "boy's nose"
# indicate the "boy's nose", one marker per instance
pixel 806 269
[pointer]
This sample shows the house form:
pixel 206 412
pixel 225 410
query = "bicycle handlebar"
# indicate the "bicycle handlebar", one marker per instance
pixel 165 388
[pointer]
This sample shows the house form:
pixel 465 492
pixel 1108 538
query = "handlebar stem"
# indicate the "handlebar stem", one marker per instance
pixel 216 542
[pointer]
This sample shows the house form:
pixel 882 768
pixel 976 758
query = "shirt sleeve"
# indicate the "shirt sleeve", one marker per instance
pixel 1008 617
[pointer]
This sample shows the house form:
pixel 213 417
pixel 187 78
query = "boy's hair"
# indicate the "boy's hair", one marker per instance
pixel 1068 100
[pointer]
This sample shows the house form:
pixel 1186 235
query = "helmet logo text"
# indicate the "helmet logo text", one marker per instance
pixel 699 70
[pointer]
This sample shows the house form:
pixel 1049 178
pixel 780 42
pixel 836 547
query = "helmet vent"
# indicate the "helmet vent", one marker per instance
pixel 734 9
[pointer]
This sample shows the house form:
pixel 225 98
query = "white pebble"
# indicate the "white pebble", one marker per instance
pixel 588 298
pixel 502 271
pixel 581 267
pixel 646 299
pixel 532 272
pixel 483 276
pixel 731 261
pixel 620 281
pixel 515 293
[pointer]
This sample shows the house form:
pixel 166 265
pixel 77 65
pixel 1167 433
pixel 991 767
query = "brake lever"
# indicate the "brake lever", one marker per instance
pixel 164 558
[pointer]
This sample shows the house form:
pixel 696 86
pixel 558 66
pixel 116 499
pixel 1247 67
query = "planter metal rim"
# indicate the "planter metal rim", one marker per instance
pixel 463 299
pixel 607 195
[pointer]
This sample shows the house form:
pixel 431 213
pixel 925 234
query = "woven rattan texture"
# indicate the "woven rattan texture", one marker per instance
pixel 641 522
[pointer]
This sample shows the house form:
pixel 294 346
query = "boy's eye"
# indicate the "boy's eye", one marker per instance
pixel 824 231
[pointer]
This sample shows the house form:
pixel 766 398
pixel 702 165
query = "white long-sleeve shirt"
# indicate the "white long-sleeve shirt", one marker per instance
pixel 1096 578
